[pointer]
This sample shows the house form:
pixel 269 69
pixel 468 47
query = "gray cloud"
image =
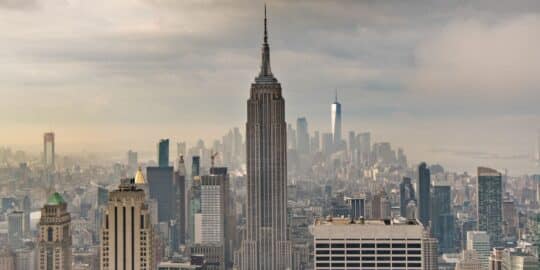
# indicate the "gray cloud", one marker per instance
pixel 157 64
pixel 19 4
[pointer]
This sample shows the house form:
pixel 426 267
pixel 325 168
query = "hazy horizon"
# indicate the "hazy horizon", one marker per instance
pixel 450 83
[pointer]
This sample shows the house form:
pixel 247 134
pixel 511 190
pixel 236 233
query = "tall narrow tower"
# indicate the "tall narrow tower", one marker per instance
pixel 48 150
pixel 54 240
pixel 266 245
pixel 336 121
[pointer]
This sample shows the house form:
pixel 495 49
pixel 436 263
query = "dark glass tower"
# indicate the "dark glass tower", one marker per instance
pixel 442 219
pixel 266 244
pixel 163 153
pixel 490 204
pixel 424 186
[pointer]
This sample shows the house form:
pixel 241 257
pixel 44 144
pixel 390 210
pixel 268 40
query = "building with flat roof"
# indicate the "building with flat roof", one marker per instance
pixel 342 243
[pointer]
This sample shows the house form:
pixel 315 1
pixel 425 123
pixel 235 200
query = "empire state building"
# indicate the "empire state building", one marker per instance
pixel 265 245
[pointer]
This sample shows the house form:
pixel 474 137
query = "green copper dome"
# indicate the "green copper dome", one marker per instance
pixel 55 199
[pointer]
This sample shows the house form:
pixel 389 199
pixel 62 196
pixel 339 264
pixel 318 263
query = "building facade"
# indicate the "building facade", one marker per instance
pixel 371 244
pixel 336 121
pixel 126 232
pixel 54 239
pixel 163 153
pixel 424 194
pixel 265 245
pixel 479 242
pixel 48 150
pixel 489 204
pixel 160 185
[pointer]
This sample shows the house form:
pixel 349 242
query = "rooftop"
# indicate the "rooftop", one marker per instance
pixel 56 199
pixel 361 221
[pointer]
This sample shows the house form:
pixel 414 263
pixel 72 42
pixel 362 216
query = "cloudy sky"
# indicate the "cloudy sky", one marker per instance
pixel 454 82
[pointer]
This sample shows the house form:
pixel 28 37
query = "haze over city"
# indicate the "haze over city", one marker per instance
pixel 455 83
pixel 279 135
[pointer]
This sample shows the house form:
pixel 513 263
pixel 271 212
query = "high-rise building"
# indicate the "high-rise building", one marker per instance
pixel 429 252
pixel 380 206
pixel 163 153
pixel 211 222
pixel 54 239
pixel 371 244
pixel 126 233
pixel 352 142
pixel 358 207
pixel 291 137
pixel 179 183
pixel 442 218
pixel 327 143
pixel 302 136
pixel 315 142
pixel 195 166
pixel 479 242
pixel 489 204
pixel 424 195
pixel 161 188
pixel 15 228
pixel 364 147
pixel 406 194
pixel 132 161
pixel 336 121
pixel 510 219
pixel 265 245
pixel 48 150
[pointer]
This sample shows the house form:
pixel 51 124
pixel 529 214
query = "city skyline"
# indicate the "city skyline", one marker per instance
pixel 418 164
pixel 375 66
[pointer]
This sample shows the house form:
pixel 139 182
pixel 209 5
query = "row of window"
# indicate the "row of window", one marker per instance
pixel 365 258
pixel 393 265
pixel 370 251
pixel 368 245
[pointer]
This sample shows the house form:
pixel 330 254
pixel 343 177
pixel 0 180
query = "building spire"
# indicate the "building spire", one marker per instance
pixel 265 63
pixel 336 100
pixel 265 27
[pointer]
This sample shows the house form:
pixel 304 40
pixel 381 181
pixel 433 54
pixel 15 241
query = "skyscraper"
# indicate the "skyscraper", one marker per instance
pixel 424 186
pixel 48 150
pixel 163 153
pixel 302 136
pixel 15 228
pixel 442 219
pixel 336 121
pixel 406 194
pixel 266 244
pixel 479 242
pixel 364 147
pixel 54 240
pixel 132 161
pixel 358 208
pixel 315 142
pixel 489 203
pixel 211 222
pixel 160 183
pixel 179 182
pixel 126 233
